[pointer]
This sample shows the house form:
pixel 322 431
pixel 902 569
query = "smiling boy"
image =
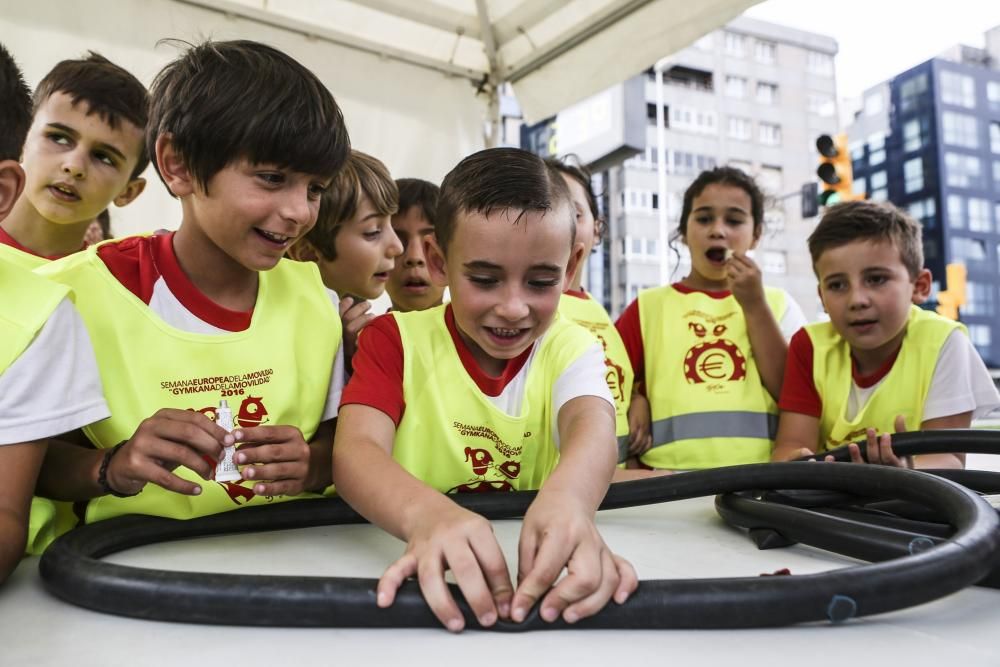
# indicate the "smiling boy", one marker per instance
pixel 491 392
pixel 183 320
pixel 85 150
pixel 410 286
pixel 881 365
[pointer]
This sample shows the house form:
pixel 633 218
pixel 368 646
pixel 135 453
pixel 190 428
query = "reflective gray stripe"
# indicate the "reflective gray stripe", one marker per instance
pixel 622 448
pixel 714 425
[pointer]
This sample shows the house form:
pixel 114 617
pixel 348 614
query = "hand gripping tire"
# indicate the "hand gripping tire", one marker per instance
pixel 71 568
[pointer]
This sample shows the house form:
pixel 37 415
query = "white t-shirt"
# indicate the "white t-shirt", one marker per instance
pixel 54 386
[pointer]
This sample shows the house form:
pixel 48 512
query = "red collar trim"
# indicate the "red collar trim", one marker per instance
pixel 865 381
pixel 489 385
pixel 578 293
pixel 715 294
pixel 189 295
pixel 7 239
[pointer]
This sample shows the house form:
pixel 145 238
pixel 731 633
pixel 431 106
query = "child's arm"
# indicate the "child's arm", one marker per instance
pixel 766 341
pixel 439 534
pixel 640 425
pixel 559 530
pixel 798 436
pixel 168 439
pixel 280 455
pixel 19 464
pixel 354 316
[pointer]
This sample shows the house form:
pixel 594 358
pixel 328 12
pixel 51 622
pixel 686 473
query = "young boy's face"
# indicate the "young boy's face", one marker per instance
pixel 867 291
pixel 410 286
pixel 366 250
pixel 77 165
pixel 251 212
pixel 506 279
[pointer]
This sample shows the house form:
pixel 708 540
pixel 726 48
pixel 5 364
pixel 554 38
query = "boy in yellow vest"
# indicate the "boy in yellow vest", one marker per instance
pixel 184 320
pixel 48 378
pixel 85 150
pixel 492 392
pixel 353 242
pixel 410 286
pixel 881 365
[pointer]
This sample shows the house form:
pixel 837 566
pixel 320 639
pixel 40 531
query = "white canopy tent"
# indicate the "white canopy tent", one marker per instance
pixel 417 79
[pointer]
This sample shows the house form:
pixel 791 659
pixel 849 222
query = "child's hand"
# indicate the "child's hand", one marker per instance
pixel 559 534
pixel 354 317
pixel 279 454
pixel 640 435
pixel 880 448
pixel 168 439
pixel 745 281
pixel 463 542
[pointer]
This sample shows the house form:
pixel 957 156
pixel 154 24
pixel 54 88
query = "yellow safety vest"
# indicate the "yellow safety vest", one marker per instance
pixel 903 391
pixel 451 436
pixel 589 314
pixel 20 258
pixel 275 372
pixel 709 405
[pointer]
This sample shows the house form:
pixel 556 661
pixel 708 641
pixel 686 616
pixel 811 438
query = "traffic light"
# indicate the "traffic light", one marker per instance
pixel 834 169
pixel 950 299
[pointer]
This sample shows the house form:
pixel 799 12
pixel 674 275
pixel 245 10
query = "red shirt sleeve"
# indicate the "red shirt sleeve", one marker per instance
pixel 630 329
pixel 378 369
pixel 798 390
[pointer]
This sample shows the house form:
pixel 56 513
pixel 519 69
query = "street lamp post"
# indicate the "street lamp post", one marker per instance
pixel 661 169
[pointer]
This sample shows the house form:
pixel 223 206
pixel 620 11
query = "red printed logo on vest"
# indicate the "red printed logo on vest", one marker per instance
pixel 483 466
pixel 251 413
pixel 715 359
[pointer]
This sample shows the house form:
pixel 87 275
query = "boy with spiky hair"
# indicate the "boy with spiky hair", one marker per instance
pixel 84 151
pixel 881 364
pixel 212 312
pixel 518 402
pixel 48 378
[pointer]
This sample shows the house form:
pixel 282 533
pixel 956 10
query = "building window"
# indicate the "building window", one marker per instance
pixel 879 191
pixel 995 137
pixel 874 104
pixel 913 175
pixel 767 93
pixel 735 45
pixel 993 95
pixel 979 298
pixel 925 211
pixel 770 179
pixel 857 150
pixel 915 134
pixel 819 63
pixel 956 212
pixel 962 171
pixel 774 220
pixel 996 174
pixel 958 89
pixel 774 261
pixel 980 335
pixel 962 130
pixel 736 86
pixel 859 186
pixel 690 119
pixel 968 250
pixel 876 148
pixel 821 104
pixel 979 215
pixel 765 52
pixel 911 91
pixel 740 128
pixel 769 134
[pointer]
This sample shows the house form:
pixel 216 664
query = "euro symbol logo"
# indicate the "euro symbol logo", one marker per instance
pixel 713 365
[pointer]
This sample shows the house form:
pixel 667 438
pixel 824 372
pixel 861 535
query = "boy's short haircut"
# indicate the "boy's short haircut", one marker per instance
pixel 221 102
pixel 15 107
pixel 872 221
pixel 497 179
pixel 420 193
pixel 109 91
pixel 361 175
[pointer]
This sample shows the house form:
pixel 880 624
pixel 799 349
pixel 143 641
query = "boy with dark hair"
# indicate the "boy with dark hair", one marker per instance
pixel 84 150
pixel 410 286
pixel 48 378
pixel 185 319
pixel 519 402
pixel 881 365
pixel 353 243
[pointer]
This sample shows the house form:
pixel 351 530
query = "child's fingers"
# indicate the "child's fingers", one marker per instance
pixel 190 425
pixel 855 453
pixel 591 580
pixel 494 569
pixel 430 574
pixel 393 578
pixel 289 451
pixel 874 453
pixel 131 474
pixel 354 326
pixel 345 304
pixel 900 424
pixel 267 434
pixel 628 580
pixel 591 603
pixel 292 471
pixel 471 581
pixel 166 453
pixel 544 568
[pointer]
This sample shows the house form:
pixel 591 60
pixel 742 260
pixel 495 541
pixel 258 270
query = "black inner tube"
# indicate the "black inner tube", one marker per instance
pixel 71 568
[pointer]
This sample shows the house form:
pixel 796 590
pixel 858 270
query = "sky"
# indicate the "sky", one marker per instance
pixel 881 38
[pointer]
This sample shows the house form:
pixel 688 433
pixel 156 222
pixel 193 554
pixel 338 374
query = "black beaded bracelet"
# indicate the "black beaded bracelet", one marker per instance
pixel 102 474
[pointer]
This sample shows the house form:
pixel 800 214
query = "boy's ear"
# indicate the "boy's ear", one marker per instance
pixel 131 191
pixel 173 171
pixel 575 259
pixel 922 287
pixel 303 251
pixel 11 185
pixel 437 267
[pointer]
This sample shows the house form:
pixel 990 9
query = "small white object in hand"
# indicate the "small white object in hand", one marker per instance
pixel 729 254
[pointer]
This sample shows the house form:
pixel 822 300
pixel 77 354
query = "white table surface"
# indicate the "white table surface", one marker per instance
pixel 676 540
